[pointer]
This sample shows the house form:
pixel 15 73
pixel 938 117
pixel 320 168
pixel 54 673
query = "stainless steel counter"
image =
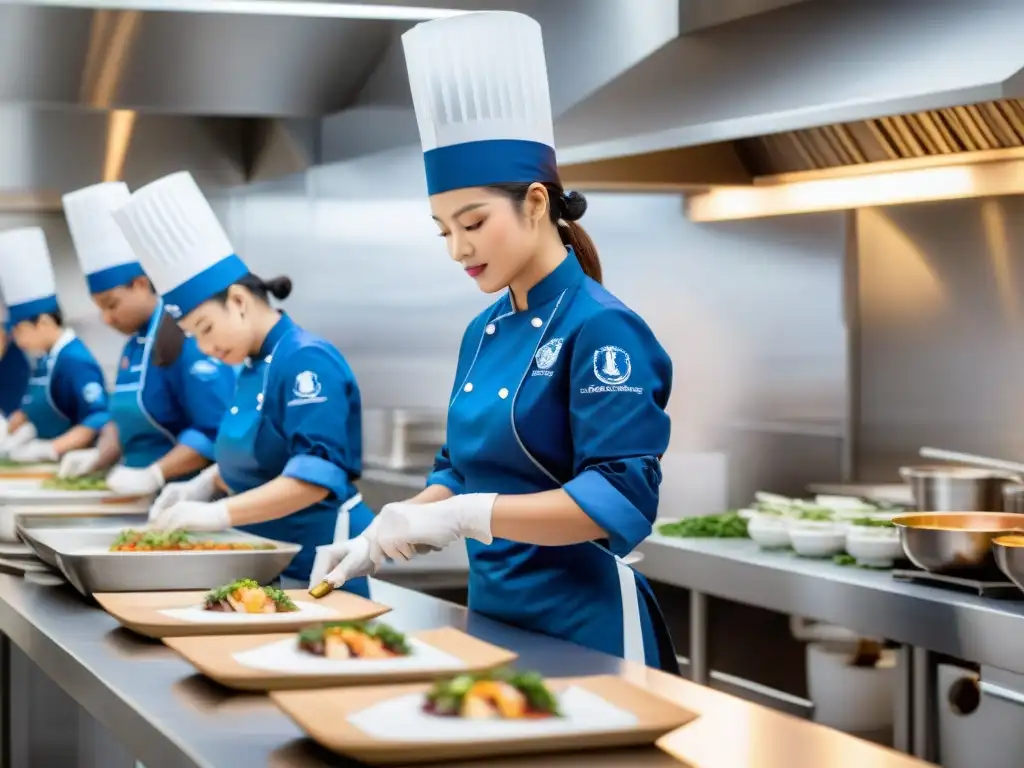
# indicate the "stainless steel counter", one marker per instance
pixel 165 714
pixel 978 629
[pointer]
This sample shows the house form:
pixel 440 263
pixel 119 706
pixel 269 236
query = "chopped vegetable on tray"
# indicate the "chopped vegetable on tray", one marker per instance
pixel 177 541
pixel 84 483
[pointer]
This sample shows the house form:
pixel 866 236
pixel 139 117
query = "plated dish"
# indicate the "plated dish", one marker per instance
pixel 353 640
pixel 264 610
pixel 479 716
pixel 247 596
pixel 376 653
pixel 499 694
pixel 132 540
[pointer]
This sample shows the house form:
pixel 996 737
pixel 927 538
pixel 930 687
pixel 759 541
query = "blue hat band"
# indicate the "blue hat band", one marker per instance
pixel 114 277
pixel 204 286
pixel 482 163
pixel 18 313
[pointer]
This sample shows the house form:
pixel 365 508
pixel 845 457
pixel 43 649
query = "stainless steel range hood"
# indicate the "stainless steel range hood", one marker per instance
pixel 802 66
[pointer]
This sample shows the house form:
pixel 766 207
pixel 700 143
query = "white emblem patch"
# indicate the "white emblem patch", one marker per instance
pixel 546 357
pixel 92 392
pixel 612 367
pixel 307 389
pixel 204 370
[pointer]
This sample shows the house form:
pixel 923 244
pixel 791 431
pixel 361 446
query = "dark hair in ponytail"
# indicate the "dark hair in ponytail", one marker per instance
pixel 278 287
pixel 565 210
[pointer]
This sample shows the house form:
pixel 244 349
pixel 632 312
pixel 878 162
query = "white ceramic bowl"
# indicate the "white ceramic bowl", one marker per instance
pixel 817 541
pixel 768 531
pixel 874 547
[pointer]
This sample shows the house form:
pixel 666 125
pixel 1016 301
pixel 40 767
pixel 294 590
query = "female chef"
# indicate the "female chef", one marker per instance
pixel 290 447
pixel 557 419
pixel 65 404
pixel 169 398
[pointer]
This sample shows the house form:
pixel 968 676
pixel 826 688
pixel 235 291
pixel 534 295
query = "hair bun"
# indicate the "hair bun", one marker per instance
pixel 574 205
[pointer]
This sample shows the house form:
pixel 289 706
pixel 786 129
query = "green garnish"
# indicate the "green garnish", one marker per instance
pixel 873 522
pixel 725 526
pixel 817 514
pixel 844 559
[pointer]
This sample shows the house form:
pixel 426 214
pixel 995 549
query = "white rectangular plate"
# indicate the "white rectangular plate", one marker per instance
pixel 198 615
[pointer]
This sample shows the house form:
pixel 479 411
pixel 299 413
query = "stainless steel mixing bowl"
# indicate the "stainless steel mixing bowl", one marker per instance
pixel 947 542
pixel 1009 553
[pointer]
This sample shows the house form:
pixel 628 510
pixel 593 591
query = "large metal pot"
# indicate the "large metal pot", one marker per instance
pixel 957 489
pixel 948 542
pixel 1013 498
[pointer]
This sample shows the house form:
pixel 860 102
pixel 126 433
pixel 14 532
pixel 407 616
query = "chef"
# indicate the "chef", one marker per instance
pixel 169 398
pixel 65 405
pixel 290 447
pixel 557 418
pixel 14 373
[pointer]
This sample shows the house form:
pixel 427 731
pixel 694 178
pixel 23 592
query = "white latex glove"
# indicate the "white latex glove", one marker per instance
pixel 22 435
pixel 202 487
pixel 135 482
pixel 78 463
pixel 400 527
pixel 192 516
pixel 346 560
pixel 34 452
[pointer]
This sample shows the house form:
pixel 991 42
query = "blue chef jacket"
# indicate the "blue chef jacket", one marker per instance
pixel 66 390
pixel 569 393
pixel 14 374
pixel 297 413
pixel 156 407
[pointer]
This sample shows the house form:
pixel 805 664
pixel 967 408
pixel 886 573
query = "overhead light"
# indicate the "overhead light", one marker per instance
pixel 299 8
pixel 952 182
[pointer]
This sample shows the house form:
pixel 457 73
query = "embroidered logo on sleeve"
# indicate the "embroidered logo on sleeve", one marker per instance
pixel 546 357
pixel 307 389
pixel 204 370
pixel 612 368
pixel 92 392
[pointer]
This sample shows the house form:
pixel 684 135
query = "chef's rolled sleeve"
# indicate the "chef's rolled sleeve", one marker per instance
pixel 316 388
pixel 204 388
pixel 620 385
pixel 81 393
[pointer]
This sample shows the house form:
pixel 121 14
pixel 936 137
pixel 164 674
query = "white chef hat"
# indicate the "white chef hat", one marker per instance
pixel 480 89
pixel 26 274
pixel 103 252
pixel 179 242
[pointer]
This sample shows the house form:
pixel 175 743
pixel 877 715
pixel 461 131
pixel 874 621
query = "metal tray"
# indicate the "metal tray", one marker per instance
pixel 78 546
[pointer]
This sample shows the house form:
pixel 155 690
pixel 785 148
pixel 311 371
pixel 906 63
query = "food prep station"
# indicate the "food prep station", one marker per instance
pixel 967 608
pixel 81 688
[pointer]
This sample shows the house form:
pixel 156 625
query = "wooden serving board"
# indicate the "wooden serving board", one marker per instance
pixel 341 719
pixel 229 660
pixel 177 614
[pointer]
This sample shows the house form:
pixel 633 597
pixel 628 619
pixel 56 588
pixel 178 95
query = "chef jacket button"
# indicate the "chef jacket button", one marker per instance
pixel 468 387
pixel 536 322
pixel 248 362
pixel 234 409
pixel 490 329
pixel 259 398
pixel 270 359
pixel 502 393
